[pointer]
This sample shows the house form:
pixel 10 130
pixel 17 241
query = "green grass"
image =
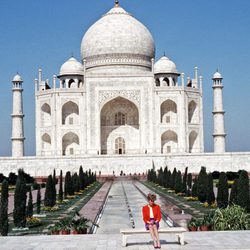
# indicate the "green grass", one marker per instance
pixel 179 201
pixel 66 210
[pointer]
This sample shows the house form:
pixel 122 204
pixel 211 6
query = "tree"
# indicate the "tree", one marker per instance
pixel 49 198
pixel 160 177
pixel 68 185
pixel 4 222
pixel 60 195
pixel 243 199
pixel 233 193
pixel 19 212
pixel 165 177
pixel 189 181
pixel 76 183
pixel 173 178
pixel 184 182
pixel 170 179
pixel 222 196
pixel 54 176
pixel 194 188
pixel 202 185
pixel 29 210
pixel 38 200
pixel 178 183
pixel 210 189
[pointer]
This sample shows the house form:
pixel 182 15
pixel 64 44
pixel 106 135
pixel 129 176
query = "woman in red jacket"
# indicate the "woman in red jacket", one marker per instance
pixel 152 216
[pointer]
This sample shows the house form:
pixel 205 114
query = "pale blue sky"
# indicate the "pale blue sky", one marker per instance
pixel 210 34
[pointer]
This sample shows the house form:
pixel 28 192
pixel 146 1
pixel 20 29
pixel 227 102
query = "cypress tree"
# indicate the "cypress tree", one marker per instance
pixel 76 184
pixel 189 181
pixel 81 177
pixel 170 179
pixel 160 177
pixel 29 210
pixel 243 199
pixel 60 195
pixel 38 200
pixel 4 222
pixel 184 182
pixel 202 185
pixel 194 188
pixel 165 177
pixel 210 189
pixel 68 186
pixel 222 196
pixel 233 193
pixel 173 178
pixel 19 212
pixel 54 176
pixel 49 198
pixel 178 183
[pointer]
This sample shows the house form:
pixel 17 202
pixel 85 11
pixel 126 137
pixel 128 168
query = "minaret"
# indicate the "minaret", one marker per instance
pixel 17 118
pixel 218 113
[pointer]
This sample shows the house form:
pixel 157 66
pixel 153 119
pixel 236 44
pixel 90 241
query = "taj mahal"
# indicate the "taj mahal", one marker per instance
pixel 120 109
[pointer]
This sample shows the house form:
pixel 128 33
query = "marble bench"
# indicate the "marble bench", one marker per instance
pixel 178 231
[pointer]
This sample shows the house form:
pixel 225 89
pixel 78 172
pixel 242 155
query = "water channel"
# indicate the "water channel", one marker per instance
pixel 123 209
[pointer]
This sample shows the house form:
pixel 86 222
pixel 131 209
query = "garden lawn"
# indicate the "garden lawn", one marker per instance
pixel 67 209
pixel 195 208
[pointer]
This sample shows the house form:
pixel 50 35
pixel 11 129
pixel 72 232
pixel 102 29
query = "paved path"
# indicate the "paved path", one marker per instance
pixel 194 241
pixel 123 207
pixel 92 208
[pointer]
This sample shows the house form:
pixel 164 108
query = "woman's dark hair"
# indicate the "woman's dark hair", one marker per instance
pixel 151 197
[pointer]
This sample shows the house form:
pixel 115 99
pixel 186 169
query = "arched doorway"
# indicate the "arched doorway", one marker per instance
pixel 70 113
pixel 168 112
pixel 120 119
pixel 169 142
pixel 119 146
pixel 70 144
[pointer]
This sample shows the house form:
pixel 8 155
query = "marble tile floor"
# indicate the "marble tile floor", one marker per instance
pixel 193 241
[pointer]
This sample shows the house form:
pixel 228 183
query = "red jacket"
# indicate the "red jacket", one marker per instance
pixel 156 211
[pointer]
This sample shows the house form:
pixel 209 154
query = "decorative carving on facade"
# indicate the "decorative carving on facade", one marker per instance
pixel 122 58
pixel 132 95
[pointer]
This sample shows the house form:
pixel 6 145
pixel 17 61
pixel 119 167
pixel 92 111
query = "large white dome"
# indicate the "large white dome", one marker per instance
pixel 117 39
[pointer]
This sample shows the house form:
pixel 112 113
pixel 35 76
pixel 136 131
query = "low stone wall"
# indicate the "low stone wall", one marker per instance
pixel 43 166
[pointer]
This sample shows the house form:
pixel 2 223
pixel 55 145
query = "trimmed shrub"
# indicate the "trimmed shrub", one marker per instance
pixel 29 210
pixel 81 177
pixel 2 178
pixel 76 183
pixel 210 189
pixel 178 183
pixel 233 193
pixel 222 196
pixel 38 200
pixel 165 177
pixel 19 212
pixel 68 185
pixel 243 191
pixel 173 178
pixel 4 222
pixel 184 181
pixel 49 198
pixel 60 195
pixel 194 188
pixel 202 185
pixel 12 179
pixel 189 180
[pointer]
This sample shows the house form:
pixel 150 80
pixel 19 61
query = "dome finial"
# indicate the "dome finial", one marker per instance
pixel 116 3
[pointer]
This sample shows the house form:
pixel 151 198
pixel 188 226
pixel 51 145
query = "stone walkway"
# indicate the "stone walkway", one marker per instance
pixel 123 209
pixel 193 241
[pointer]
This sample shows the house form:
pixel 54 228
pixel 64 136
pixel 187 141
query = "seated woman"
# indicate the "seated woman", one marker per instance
pixel 152 216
